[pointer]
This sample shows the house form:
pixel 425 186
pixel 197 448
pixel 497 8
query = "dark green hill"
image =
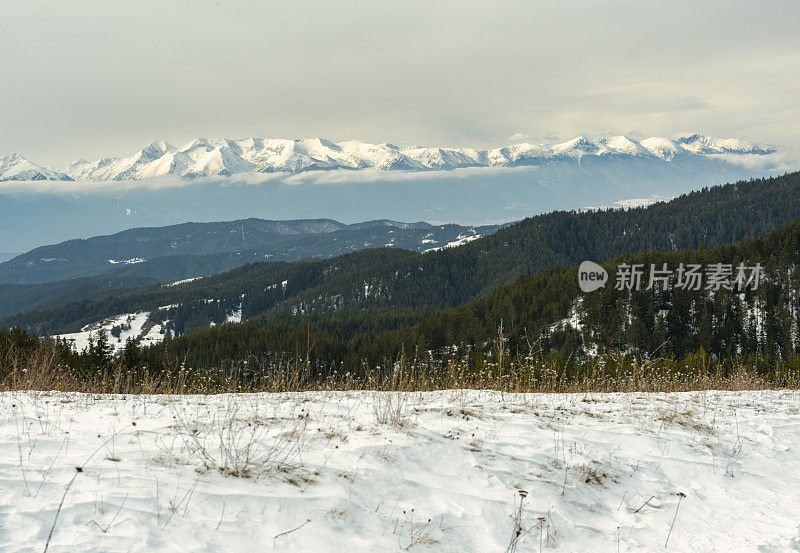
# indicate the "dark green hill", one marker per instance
pixel 22 297
pixel 394 281
pixel 547 314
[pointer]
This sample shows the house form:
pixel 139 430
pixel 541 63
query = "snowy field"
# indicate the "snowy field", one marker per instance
pixel 364 471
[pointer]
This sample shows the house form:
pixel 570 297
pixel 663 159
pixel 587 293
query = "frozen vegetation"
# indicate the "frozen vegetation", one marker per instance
pixel 368 471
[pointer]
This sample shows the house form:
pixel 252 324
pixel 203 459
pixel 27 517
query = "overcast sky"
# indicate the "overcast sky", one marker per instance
pixel 99 78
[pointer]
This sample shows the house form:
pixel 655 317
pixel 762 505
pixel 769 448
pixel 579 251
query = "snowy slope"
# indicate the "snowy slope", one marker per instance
pixel 137 326
pixel 17 168
pixel 363 472
pixel 224 157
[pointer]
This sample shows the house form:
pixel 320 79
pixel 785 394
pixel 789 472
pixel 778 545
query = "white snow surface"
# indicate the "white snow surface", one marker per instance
pixel 365 472
pixel 134 325
pixel 179 282
pixel 234 316
pixel 131 261
pixel 206 157
pixel 460 240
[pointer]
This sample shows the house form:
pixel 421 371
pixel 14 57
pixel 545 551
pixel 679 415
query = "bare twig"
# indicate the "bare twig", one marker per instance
pixel 111 524
pixel 78 470
pixel 643 505
pixel 276 536
pixel 681 495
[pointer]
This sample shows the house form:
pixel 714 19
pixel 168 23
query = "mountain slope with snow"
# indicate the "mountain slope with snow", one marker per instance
pixel 206 157
pixel 17 168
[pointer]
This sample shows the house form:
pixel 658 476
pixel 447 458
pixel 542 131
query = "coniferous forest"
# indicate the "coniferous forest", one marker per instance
pixel 518 287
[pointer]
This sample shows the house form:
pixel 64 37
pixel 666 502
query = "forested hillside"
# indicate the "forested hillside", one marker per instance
pixel 22 297
pixel 547 314
pixel 196 249
pixel 391 280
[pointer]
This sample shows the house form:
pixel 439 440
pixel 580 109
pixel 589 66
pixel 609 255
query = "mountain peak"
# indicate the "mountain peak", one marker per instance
pixel 690 138
pixel 158 146
pixel 15 167
pixel 224 157
pixel 577 146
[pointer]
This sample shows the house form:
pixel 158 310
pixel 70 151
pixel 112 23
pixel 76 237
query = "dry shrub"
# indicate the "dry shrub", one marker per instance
pixel 391 408
pixel 240 444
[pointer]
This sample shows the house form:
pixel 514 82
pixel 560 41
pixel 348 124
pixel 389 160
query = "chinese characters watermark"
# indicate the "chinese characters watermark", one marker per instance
pixel 689 276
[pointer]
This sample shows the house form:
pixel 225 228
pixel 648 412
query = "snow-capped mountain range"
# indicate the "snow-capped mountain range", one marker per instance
pixel 204 157
pixel 16 167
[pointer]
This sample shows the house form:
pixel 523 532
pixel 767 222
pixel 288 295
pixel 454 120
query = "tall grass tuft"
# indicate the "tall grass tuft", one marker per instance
pixel 38 368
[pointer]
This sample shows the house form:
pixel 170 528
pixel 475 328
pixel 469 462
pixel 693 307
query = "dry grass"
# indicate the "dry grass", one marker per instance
pixel 392 409
pixel 235 444
pixel 40 371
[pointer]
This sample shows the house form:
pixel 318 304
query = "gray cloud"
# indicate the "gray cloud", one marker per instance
pixel 90 78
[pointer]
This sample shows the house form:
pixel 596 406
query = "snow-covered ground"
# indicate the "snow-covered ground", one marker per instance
pixel 179 282
pixel 131 325
pixel 460 240
pixel 364 471
pixel 132 261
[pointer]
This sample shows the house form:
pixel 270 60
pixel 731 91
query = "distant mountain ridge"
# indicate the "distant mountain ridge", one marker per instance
pixel 207 157
pixel 196 249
